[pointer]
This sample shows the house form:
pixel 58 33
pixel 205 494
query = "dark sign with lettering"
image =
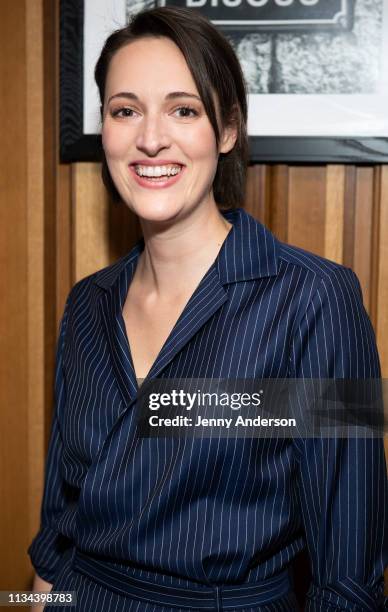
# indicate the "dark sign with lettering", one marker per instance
pixel 273 15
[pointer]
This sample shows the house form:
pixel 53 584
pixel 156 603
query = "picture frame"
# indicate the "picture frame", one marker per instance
pixel 283 127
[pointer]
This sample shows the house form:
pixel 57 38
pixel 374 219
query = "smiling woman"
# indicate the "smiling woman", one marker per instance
pixel 163 524
pixel 197 55
pixel 151 116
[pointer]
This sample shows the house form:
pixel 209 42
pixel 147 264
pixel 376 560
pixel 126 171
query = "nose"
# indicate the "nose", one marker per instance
pixel 152 135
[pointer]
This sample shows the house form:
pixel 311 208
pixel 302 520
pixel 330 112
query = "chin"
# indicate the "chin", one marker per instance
pixel 161 212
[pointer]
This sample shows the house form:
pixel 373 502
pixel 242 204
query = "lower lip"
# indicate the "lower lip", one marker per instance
pixel 160 184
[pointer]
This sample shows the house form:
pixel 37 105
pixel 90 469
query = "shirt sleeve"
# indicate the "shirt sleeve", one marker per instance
pixel 48 546
pixel 342 483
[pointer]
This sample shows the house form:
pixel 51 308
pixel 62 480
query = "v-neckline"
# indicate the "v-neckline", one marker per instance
pixel 124 288
pixel 187 303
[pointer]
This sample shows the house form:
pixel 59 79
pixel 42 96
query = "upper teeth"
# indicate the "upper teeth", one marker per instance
pixel 157 170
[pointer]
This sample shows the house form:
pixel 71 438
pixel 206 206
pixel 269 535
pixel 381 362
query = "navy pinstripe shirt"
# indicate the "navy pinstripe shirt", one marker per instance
pixel 227 510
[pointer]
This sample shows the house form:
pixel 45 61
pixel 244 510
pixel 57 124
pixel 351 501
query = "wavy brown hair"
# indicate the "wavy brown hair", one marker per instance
pixel 215 69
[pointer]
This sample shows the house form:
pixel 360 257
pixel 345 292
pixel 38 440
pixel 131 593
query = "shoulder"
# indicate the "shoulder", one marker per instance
pixel 324 275
pixel 313 284
pixel 332 334
pixel 281 256
pixel 307 273
pixel 308 262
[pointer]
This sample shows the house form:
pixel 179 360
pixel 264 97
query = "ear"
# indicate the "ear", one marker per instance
pixel 230 132
pixel 228 138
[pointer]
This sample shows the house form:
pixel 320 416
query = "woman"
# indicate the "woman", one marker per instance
pixel 166 523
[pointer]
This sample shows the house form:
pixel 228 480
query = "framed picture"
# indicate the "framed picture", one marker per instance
pixel 316 73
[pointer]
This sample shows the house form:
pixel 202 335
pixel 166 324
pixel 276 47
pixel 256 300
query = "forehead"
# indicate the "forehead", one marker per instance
pixel 150 65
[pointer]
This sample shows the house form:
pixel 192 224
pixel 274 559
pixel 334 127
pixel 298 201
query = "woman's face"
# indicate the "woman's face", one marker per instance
pixel 158 141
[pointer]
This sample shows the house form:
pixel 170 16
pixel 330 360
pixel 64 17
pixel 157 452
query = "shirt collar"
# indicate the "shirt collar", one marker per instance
pixel 249 251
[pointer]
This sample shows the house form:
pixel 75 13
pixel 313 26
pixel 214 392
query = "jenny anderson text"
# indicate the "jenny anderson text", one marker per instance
pixel 184 421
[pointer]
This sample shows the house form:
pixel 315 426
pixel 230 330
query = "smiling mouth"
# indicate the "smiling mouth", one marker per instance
pixel 157 174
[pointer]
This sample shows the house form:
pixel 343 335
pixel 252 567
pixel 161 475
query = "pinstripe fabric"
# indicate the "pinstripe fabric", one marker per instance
pixel 215 511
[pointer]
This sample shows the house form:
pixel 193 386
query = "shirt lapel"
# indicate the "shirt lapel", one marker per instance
pixel 248 252
pixel 205 301
pixel 111 304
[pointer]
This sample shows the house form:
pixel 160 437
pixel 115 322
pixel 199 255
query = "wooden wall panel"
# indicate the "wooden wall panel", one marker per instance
pixel 279 202
pixel 349 215
pixel 258 192
pixel 35 255
pixel 363 217
pixel 90 217
pixel 103 231
pixel 380 260
pixel 382 272
pixel 21 279
pixel 334 213
pixel 306 208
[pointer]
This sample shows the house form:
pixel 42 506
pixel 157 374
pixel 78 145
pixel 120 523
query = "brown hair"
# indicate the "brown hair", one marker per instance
pixel 214 67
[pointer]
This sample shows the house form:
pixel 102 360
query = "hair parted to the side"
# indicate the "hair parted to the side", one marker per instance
pixel 214 67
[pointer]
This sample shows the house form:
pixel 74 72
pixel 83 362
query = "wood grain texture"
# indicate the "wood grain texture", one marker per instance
pixel 279 213
pixel 58 196
pixel 91 220
pixel 306 208
pixel 334 213
pixel 349 203
pixel 15 248
pixel 48 88
pixel 103 231
pixel 258 195
pixel 382 289
pixel 35 256
pixel 363 218
pixel 382 282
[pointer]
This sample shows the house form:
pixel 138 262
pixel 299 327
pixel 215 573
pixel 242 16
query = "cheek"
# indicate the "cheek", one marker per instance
pixel 113 142
pixel 201 144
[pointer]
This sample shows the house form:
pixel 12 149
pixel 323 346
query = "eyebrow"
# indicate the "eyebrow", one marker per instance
pixel 171 96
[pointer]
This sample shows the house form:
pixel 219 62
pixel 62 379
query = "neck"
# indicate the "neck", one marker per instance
pixel 177 256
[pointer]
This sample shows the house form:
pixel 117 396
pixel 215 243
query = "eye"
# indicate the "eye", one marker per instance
pixel 122 112
pixel 186 110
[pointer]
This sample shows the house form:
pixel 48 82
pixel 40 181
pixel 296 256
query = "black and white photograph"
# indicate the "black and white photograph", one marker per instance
pixel 316 73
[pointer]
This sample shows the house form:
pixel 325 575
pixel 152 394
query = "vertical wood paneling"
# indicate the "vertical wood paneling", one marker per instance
pixel 58 197
pixel 103 231
pixel 349 215
pixel 35 256
pixel 334 213
pixel 21 267
pixel 49 88
pixel 91 220
pixel 382 280
pixel 363 218
pixel 258 196
pixel 381 308
pixel 14 295
pixel 306 208
pixel 279 213
pixel 64 237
